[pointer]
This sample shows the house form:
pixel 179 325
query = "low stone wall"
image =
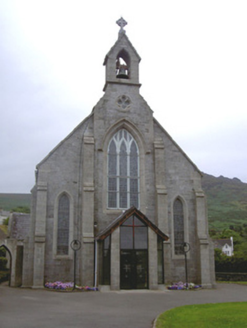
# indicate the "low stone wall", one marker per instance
pixel 231 276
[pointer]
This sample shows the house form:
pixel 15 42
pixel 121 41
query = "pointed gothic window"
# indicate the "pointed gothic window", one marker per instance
pixel 63 225
pixel 178 221
pixel 123 171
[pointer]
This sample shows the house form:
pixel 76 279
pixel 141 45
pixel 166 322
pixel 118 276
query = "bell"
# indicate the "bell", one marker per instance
pixel 122 73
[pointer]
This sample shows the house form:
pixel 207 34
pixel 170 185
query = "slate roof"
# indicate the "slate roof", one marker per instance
pixel 219 243
pixel 19 225
pixel 3 236
pixel 123 217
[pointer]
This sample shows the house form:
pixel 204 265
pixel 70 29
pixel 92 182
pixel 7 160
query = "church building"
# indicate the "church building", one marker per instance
pixel 120 194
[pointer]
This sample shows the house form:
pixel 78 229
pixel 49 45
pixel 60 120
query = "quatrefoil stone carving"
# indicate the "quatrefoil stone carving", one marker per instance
pixel 123 102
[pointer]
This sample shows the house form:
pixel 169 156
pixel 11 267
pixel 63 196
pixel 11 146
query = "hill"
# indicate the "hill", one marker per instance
pixel 227 201
pixel 10 201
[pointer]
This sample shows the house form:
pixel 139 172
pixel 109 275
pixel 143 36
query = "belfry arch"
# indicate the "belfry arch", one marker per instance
pixel 123 65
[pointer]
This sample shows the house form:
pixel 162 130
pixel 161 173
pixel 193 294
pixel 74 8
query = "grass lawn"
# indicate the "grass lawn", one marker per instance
pixel 219 315
pixel 232 282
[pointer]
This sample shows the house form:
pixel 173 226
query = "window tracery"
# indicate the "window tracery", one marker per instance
pixel 123 171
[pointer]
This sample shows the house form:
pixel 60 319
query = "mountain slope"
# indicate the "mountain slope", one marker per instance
pixel 227 201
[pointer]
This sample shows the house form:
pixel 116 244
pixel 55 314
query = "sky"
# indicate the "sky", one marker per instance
pixel 193 74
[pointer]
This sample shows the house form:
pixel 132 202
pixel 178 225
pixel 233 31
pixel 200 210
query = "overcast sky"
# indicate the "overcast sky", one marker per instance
pixel 193 74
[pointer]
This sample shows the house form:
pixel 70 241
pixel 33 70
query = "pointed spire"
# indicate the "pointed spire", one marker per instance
pixel 121 22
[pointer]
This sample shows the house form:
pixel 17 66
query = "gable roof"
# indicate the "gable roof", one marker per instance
pixel 180 149
pixel 19 225
pixel 123 217
pixel 121 36
pixel 219 243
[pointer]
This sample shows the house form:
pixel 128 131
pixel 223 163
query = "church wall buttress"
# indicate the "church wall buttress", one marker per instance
pixel 88 211
pixel 40 232
pixel 161 193
pixel 162 202
pixel 204 242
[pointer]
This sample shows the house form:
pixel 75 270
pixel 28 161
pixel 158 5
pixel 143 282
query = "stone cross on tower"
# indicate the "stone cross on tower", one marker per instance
pixel 121 22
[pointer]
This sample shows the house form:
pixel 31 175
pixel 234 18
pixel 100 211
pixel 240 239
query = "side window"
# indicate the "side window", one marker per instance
pixel 123 171
pixel 63 225
pixel 178 221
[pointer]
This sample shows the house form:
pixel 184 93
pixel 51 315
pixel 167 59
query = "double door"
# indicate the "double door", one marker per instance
pixel 134 269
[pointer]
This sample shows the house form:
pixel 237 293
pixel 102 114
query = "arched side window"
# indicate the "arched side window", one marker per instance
pixel 178 221
pixel 63 225
pixel 123 171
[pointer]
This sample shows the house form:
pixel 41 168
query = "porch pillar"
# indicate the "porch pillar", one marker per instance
pixel 39 237
pixel 204 242
pixel 152 259
pixel 115 259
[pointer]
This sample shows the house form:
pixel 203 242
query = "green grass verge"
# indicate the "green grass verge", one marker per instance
pixel 219 315
pixel 232 282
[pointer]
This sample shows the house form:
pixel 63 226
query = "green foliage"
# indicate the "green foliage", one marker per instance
pixel 227 202
pixel 2 252
pixel 4 275
pixel 10 201
pixel 6 221
pixel 21 209
pixel 4 228
pixel 3 263
pixel 227 233
pixel 235 263
pixel 219 315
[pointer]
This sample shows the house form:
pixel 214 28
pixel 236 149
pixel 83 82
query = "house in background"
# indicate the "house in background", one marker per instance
pixel 225 245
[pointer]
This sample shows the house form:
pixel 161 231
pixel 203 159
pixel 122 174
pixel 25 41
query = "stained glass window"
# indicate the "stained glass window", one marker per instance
pixel 133 234
pixel 123 171
pixel 63 225
pixel 178 221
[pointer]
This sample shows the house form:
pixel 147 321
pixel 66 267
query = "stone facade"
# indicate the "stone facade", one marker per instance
pixel 78 168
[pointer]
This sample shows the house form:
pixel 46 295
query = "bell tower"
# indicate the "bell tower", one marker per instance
pixel 122 61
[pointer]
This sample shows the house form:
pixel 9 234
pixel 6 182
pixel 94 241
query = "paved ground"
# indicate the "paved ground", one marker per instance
pixel 27 308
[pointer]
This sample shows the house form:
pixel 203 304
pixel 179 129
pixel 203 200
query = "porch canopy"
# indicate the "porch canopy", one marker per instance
pixel 123 217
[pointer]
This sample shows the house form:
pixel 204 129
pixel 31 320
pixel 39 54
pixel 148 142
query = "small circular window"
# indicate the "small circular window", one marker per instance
pixel 123 102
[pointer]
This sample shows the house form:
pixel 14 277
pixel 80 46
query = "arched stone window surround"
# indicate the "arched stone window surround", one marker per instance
pixel 55 226
pixel 124 124
pixel 186 225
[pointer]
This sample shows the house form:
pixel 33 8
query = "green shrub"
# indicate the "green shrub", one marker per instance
pixel 4 275
pixel 3 263
pixel 6 221
pixel 2 252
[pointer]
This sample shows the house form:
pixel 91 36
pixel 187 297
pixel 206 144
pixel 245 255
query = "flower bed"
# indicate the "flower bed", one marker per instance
pixel 183 286
pixel 68 286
